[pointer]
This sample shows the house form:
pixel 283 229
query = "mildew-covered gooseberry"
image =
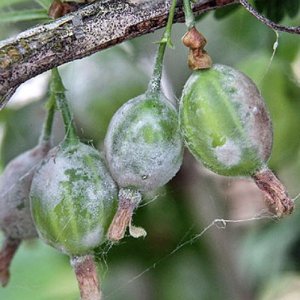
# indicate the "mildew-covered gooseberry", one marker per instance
pixel 143 145
pixel 225 121
pixel 226 126
pixel 73 199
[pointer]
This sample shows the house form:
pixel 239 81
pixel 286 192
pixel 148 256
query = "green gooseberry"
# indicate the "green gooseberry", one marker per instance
pixel 73 199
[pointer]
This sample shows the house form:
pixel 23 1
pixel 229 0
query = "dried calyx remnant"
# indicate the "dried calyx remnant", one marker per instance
pixel 275 194
pixel 198 58
pixel 225 121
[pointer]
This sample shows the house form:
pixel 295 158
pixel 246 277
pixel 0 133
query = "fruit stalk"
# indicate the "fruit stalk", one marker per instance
pixel 47 126
pixel 61 101
pixel 154 84
pixel 86 273
pixel 188 13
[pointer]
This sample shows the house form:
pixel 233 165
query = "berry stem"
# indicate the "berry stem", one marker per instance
pixel 9 248
pixel 48 123
pixel 188 12
pixel 128 202
pixel 58 91
pixel 275 193
pixel 86 273
pixel 154 85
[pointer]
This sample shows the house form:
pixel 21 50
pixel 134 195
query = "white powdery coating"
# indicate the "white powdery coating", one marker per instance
pixel 228 154
pixel 252 110
pixel 15 181
pixel 135 162
pixel 52 173
pixel 93 238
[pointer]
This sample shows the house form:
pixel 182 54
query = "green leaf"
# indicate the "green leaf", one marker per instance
pixel 292 7
pixel 6 3
pixel 276 10
pixel 23 15
pixel 259 4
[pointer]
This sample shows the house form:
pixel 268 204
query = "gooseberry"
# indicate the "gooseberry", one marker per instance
pixel 143 145
pixel 227 127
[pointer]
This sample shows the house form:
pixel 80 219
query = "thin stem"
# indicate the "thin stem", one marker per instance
pixel 154 85
pixel 58 91
pixel 86 273
pixel 48 123
pixel 188 12
pixel 269 23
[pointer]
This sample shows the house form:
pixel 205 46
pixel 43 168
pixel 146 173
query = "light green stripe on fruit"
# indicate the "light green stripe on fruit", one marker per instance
pixel 90 163
pixel 68 206
pixel 211 119
pixel 229 105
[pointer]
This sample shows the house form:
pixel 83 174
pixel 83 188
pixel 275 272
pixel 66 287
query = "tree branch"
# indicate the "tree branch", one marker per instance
pixel 82 33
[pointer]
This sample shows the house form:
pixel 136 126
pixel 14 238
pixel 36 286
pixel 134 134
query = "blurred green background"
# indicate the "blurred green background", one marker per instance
pixel 254 258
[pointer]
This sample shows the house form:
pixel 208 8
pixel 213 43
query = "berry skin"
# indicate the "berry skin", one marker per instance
pixel 225 121
pixel 73 199
pixel 143 145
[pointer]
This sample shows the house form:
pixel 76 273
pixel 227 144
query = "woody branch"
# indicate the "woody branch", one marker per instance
pixel 82 33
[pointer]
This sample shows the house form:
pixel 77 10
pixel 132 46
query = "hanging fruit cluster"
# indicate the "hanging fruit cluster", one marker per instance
pixel 75 199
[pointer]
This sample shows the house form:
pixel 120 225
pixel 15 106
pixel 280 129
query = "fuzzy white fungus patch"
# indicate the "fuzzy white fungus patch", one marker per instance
pixel 228 154
pixel 93 238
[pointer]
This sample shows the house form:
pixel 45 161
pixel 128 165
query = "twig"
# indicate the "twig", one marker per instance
pixel 269 23
pixel 90 29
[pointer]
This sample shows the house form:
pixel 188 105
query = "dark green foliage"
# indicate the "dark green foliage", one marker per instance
pixel 276 10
